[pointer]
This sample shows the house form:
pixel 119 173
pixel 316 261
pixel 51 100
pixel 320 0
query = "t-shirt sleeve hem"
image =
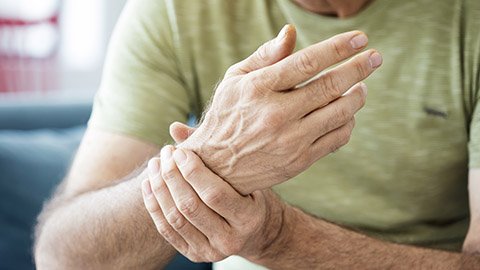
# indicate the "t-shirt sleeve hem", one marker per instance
pixel 152 137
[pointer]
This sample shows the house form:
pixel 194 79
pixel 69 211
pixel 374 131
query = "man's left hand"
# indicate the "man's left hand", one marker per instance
pixel 202 216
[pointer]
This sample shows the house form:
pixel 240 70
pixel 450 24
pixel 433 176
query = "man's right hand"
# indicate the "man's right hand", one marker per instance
pixel 265 124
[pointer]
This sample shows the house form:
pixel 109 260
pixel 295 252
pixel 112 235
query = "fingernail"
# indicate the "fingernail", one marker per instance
pixel 147 189
pixel 153 168
pixel 359 41
pixel 375 60
pixel 364 88
pixel 282 34
pixel 180 157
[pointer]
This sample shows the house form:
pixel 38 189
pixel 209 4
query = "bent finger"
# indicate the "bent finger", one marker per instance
pixel 161 224
pixel 335 114
pixel 267 54
pixel 207 221
pixel 180 132
pixel 332 141
pixel 212 190
pixel 173 217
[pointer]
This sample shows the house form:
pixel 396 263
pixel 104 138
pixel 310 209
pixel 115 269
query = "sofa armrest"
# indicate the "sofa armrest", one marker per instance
pixel 28 116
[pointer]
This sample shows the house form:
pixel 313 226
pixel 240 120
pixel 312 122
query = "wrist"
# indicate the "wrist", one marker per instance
pixel 220 159
pixel 277 232
pixel 211 155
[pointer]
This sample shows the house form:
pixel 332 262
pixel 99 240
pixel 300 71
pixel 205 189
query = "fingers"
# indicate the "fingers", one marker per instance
pixel 335 114
pixel 331 142
pixel 155 212
pixel 180 132
pixel 187 201
pixel 267 54
pixel 334 83
pixel 212 190
pixel 173 217
pixel 304 64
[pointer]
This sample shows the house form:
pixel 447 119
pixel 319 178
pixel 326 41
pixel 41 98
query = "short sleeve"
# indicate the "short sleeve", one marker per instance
pixel 142 90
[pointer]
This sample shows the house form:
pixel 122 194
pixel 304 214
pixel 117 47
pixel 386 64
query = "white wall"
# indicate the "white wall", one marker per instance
pixel 86 26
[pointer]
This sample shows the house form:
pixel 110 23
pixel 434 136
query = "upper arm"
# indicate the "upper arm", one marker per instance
pixel 472 241
pixel 143 89
pixel 142 92
pixel 104 157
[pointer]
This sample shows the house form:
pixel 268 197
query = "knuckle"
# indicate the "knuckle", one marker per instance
pixel 303 162
pixel 337 47
pixel 344 136
pixel 335 146
pixel 233 68
pixel 363 101
pixel 213 196
pixel 261 53
pixel 231 246
pixel 351 123
pixel 330 88
pixel 168 173
pixel 362 98
pixel 251 86
pixel 189 206
pixel 193 170
pixel 313 94
pixel 360 69
pixel 330 124
pixel 164 229
pixel 157 187
pixel 342 113
pixel 195 258
pixel 306 64
pixel 215 257
pixel 176 219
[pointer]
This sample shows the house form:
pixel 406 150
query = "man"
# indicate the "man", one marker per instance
pixel 401 182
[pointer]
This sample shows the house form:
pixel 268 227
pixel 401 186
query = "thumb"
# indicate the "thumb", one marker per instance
pixel 267 54
pixel 180 132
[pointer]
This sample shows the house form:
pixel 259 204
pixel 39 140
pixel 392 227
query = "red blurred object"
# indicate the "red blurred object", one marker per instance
pixel 13 22
pixel 28 55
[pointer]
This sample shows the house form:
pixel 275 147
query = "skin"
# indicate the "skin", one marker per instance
pixel 97 218
pixel 237 143
pixel 337 8
pixel 188 204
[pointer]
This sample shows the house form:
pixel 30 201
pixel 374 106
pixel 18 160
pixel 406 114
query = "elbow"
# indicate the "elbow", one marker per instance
pixel 44 258
pixel 471 246
pixel 47 250
pixel 52 248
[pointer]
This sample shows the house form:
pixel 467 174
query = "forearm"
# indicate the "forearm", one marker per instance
pixel 309 243
pixel 104 229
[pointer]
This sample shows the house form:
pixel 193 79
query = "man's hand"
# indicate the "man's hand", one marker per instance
pixel 262 128
pixel 206 220
pixel 201 215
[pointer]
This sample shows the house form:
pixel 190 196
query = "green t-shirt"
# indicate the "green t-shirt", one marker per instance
pixel 403 175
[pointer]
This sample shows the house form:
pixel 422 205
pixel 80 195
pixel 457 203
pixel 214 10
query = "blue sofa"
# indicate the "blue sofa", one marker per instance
pixel 37 143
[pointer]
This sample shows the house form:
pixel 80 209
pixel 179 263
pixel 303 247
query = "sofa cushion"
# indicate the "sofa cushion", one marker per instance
pixel 31 165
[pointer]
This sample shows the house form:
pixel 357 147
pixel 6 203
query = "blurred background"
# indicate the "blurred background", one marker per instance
pixel 51 58
pixel 53 49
